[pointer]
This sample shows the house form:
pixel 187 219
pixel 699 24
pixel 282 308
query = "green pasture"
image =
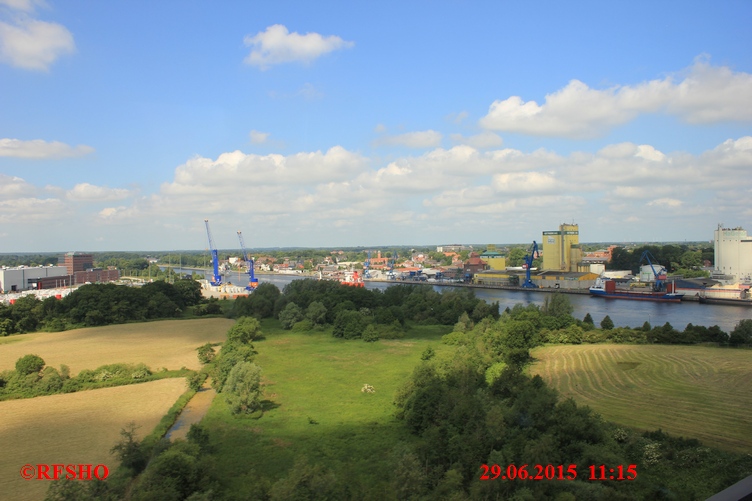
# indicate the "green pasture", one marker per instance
pixel 692 391
pixel 316 408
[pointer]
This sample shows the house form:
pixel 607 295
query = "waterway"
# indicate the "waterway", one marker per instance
pixel 624 313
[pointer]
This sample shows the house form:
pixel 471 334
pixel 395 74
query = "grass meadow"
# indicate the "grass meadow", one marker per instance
pixel 317 410
pixel 75 428
pixel 165 343
pixel 692 391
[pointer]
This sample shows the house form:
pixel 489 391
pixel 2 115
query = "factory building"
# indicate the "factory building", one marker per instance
pixel 733 254
pixel 25 278
pixel 561 249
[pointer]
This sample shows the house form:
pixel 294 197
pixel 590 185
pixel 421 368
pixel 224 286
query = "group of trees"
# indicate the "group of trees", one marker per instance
pixel 99 304
pixel 678 259
pixel 477 406
pixel 307 304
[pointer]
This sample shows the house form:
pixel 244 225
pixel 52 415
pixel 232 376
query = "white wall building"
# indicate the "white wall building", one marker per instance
pixel 733 253
pixel 22 278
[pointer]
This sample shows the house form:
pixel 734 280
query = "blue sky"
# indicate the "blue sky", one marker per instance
pixel 123 125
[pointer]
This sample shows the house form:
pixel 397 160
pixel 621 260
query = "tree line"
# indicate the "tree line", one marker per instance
pixel 678 259
pixel 99 304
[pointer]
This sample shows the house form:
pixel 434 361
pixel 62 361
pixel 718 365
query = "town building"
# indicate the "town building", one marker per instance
pixel 733 254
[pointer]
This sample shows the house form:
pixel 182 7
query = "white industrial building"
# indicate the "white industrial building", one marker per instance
pixel 26 278
pixel 733 254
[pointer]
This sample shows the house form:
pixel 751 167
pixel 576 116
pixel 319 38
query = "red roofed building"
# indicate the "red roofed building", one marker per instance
pixel 474 264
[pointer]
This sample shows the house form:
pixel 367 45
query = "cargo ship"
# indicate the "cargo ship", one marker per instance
pixel 353 279
pixel 607 288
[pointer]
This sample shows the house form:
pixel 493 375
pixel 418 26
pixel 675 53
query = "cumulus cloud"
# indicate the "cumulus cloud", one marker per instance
pixel 320 197
pixel 28 43
pixel 40 149
pixel 276 45
pixel 706 94
pixel 420 139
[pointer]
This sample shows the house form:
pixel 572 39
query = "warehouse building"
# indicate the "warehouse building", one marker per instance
pixel 24 278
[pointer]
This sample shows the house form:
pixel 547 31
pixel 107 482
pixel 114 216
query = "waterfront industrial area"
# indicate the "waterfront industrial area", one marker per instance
pixel 558 263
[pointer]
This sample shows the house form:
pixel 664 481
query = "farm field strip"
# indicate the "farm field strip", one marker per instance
pixel 75 428
pixel 700 392
pixel 165 343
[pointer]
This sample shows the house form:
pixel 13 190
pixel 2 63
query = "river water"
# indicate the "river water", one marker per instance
pixel 624 313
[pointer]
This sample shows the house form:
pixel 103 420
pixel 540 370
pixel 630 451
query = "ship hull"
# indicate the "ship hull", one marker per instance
pixel 661 297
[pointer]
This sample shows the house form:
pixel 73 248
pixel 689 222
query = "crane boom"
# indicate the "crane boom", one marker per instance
pixel 252 280
pixel 216 278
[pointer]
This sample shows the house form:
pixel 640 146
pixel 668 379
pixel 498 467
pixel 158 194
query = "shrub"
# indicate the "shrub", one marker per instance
pixel 370 334
pixel 206 353
pixel 29 364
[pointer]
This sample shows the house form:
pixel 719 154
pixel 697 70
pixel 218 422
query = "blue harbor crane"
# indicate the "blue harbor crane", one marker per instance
pixel 252 280
pixel 367 265
pixel 659 285
pixel 217 278
pixel 529 264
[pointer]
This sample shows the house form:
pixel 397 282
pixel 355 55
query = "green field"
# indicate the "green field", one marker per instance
pixel 692 391
pixel 316 377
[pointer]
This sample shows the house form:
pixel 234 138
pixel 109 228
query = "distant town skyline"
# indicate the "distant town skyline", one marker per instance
pixel 333 124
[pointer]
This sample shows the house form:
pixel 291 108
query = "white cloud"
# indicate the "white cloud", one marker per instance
pixel 40 149
pixel 277 45
pixel 258 137
pixel 482 141
pixel 708 94
pixel 14 187
pixel 22 5
pixel 85 192
pixel 29 43
pixel 420 139
pixel 311 198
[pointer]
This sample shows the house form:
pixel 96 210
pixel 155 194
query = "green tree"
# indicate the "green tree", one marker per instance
pixel 129 451
pixel 29 364
pixel 290 315
pixel 316 313
pixel 588 319
pixel 607 324
pixel 243 388
pixel 245 330
pixel 742 333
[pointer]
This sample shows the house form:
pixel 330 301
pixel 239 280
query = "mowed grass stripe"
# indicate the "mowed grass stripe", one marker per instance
pixel 693 391
pixel 75 428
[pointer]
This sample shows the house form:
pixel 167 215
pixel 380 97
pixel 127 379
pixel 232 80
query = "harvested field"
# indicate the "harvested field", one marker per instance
pixel 166 343
pixel 691 391
pixel 75 428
